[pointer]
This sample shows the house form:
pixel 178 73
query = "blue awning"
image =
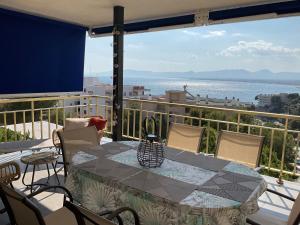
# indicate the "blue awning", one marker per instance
pixel 39 55
pixel 280 9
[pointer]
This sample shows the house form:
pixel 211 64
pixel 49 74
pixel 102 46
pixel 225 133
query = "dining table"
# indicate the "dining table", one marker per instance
pixel 187 189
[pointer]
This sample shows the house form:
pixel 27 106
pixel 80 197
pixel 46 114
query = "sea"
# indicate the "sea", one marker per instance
pixel 244 90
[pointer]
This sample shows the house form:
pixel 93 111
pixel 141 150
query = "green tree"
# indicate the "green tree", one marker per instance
pixel 11 135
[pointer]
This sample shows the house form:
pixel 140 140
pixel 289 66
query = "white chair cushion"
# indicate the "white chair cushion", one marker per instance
pixel 75 123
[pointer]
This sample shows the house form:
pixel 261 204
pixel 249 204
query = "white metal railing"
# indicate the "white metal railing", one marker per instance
pixel 135 110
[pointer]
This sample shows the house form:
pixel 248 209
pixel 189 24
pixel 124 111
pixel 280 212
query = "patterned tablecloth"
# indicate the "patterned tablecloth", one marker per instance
pixel 187 189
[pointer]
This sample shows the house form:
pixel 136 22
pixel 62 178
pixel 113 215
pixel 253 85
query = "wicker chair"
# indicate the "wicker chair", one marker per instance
pixel 76 140
pixel 55 140
pixel 22 211
pixel 239 147
pixel 9 172
pixel 260 218
pixel 185 137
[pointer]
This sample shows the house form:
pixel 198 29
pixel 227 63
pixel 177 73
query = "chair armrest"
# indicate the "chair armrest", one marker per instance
pixel 117 212
pixel 251 222
pixel 108 212
pixel 11 172
pixel 281 195
pixel 69 195
pixel 83 214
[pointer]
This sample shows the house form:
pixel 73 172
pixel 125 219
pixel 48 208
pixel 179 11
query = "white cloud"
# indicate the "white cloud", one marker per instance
pixel 191 33
pixel 209 34
pixel 259 47
pixel 238 35
pixel 216 33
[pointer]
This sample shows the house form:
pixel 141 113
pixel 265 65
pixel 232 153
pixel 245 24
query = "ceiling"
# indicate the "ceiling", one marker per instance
pixel 97 13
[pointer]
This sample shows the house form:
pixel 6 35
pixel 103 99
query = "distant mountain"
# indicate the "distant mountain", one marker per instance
pixel 261 75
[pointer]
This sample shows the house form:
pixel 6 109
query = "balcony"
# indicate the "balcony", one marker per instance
pixel 40 116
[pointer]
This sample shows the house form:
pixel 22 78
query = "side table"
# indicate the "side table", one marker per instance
pixel 36 159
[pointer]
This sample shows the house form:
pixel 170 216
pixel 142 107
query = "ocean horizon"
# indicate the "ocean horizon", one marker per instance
pixel 245 90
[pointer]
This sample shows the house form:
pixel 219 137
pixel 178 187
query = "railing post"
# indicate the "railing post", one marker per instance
pixel 32 119
pixel 56 117
pixel 97 107
pixel 123 121
pixel 280 181
pixel 5 127
pixel 64 112
pixel 15 125
pixel 49 121
pixel 128 121
pixel 106 114
pixel 200 116
pixel 112 119
pixel 238 122
pixel 297 148
pixel 147 115
pixel 134 123
pixel 168 119
pixel 271 149
pixel 140 120
pixel 260 131
pixel 41 122
pixel 160 124
pixel 24 125
pixel 207 137
pixel 88 105
pixel 81 108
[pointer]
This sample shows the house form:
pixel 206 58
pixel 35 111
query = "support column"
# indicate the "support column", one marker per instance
pixel 118 48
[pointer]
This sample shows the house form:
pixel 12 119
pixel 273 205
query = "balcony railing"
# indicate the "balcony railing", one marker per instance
pixel 280 148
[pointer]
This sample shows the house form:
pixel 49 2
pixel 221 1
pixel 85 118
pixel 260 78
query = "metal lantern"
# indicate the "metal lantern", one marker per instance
pixel 150 152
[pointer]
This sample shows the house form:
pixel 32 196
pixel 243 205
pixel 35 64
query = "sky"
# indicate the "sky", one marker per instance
pixel 267 44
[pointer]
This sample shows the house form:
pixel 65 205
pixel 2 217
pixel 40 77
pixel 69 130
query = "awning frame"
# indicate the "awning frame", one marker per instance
pixel 246 13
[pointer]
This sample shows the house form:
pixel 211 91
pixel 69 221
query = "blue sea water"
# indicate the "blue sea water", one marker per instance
pixel 244 90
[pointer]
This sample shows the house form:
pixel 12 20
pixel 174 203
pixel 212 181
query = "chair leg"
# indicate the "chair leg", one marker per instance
pixel 12 186
pixel 32 180
pixel 55 173
pixel 48 172
pixel 24 174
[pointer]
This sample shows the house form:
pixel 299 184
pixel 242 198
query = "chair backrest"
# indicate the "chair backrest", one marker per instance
pixel 185 137
pixel 239 147
pixel 73 141
pixel 85 216
pixel 20 209
pixel 76 123
pixel 294 217
pixel 55 138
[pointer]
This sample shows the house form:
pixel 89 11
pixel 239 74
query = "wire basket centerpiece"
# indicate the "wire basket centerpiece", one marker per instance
pixel 150 151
